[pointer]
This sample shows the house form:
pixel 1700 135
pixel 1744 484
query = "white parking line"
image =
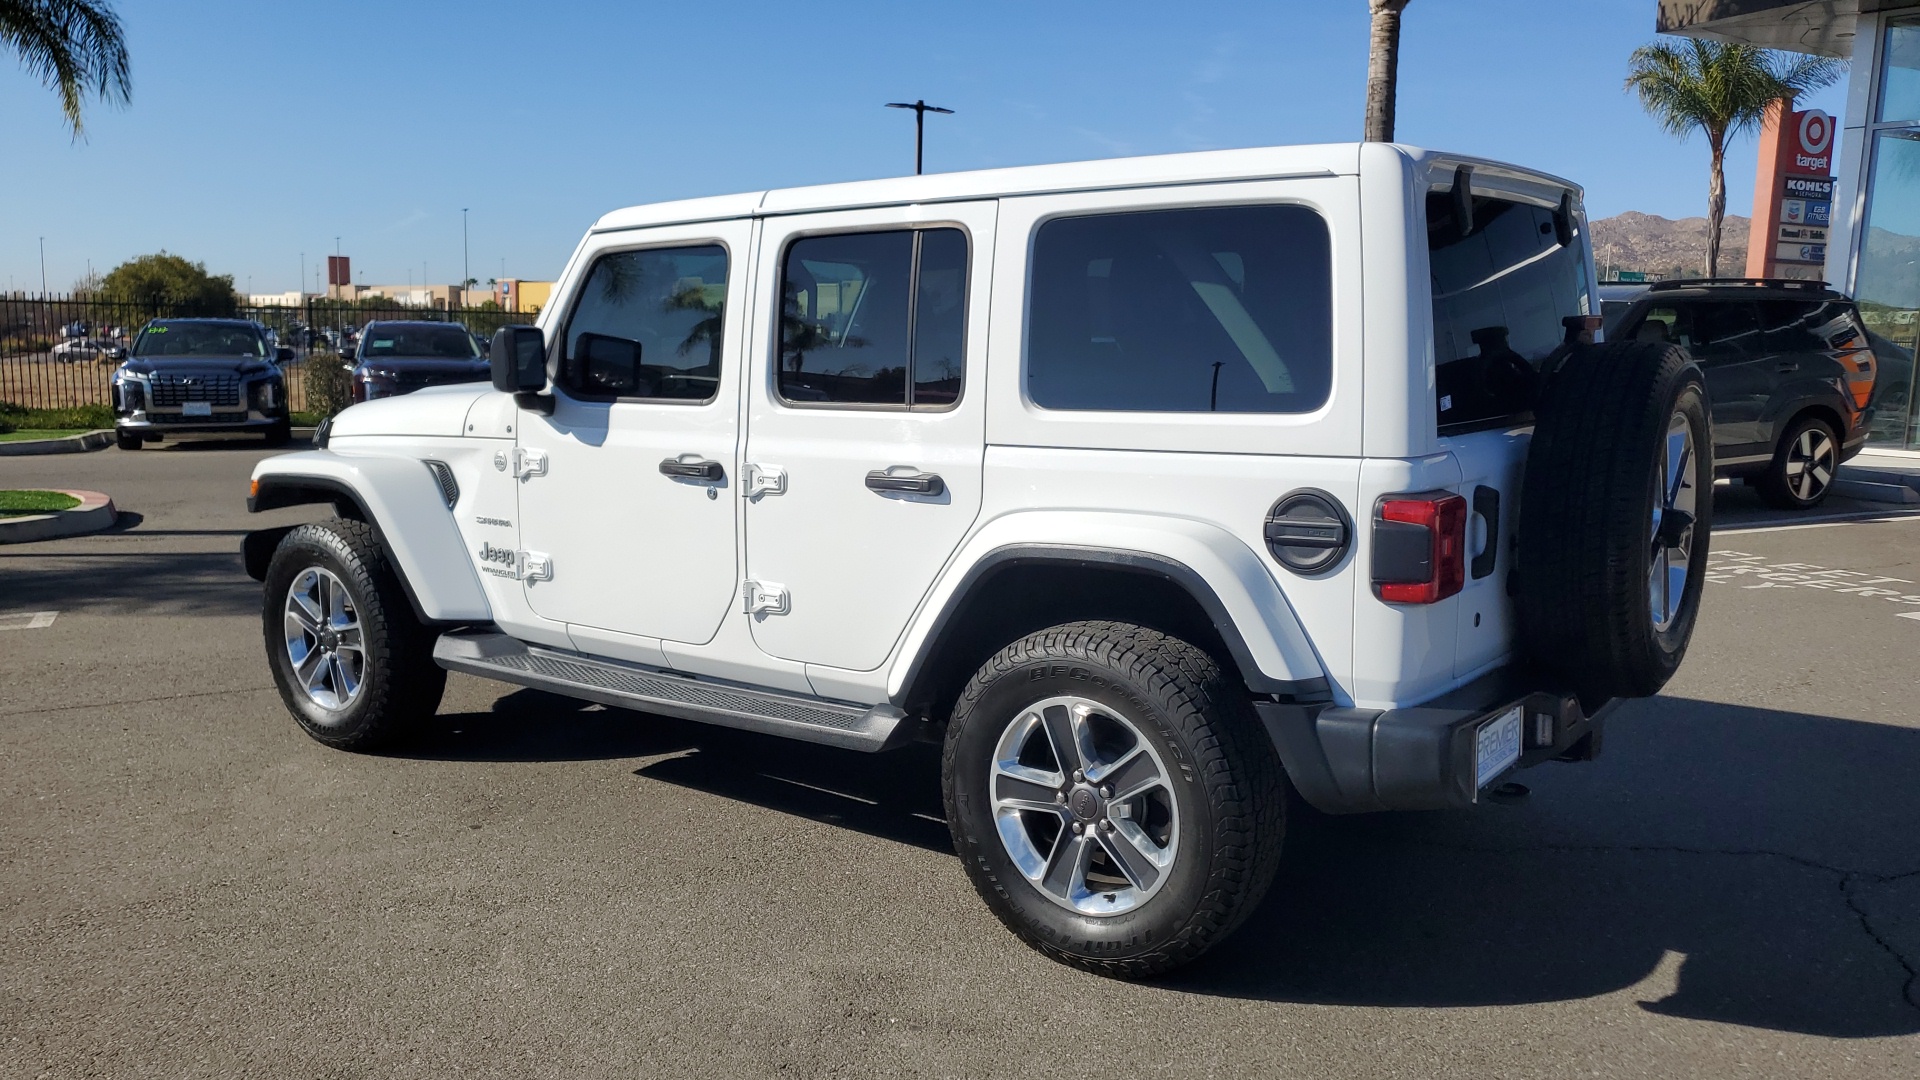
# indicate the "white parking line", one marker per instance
pixel 28 620
pixel 1866 517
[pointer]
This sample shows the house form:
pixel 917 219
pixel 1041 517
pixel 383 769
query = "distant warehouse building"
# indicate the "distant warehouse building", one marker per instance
pixel 1850 200
pixel 517 294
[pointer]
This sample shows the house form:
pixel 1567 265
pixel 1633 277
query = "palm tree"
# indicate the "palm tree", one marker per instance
pixel 76 47
pixel 1722 90
pixel 1383 67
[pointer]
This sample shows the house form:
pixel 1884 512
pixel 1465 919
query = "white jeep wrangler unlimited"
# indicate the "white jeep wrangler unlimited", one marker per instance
pixel 1159 489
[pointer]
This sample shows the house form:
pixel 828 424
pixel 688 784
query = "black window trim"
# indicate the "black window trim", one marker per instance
pixel 1333 313
pixel 913 317
pixel 557 348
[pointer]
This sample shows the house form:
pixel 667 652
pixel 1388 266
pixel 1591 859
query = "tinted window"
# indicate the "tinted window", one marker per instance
pixel 1707 329
pixel 1225 310
pixel 856 318
pixel 200 339
pixel 1807 326
pixel 1500 294
pixel 648 325
pixel 436 342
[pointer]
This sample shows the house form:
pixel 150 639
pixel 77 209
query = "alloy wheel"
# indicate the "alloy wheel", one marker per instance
pixel 1674 512
pixel 1810 464
pixel 1083 805
pixel 324 639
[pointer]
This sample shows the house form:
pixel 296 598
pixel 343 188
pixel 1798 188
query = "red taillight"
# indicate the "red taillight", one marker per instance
pixel 1400 579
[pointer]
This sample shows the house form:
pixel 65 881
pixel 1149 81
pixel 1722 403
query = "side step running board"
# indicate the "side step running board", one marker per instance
pixel 495 655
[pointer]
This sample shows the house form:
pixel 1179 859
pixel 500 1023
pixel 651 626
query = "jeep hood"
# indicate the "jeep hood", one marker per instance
pixel 435 410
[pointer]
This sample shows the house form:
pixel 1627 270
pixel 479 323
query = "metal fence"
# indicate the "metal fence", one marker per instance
pixel 60 352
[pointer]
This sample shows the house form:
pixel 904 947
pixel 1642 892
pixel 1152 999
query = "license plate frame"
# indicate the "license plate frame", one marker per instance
pixel 1496 746
pixel 196 408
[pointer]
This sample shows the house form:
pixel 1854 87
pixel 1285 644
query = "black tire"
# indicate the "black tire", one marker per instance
pixel 280 434
pixel 1219 770
pixel 127 440
pixel 1587 546
pixel 1794 480
pixel 399 685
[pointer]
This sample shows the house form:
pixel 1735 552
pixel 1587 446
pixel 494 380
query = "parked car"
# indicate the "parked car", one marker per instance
pixel 200 375
pixel 1789 369
pixel 400 357
pixel 1185 528
pixel 80 350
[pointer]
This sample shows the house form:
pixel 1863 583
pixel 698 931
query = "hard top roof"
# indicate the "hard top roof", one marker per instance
pixel 1208 166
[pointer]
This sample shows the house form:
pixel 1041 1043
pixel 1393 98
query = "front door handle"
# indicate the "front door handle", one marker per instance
pixel 693 470
pixel 1786 366
pixel 916 483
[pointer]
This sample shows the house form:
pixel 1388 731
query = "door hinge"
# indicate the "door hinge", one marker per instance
pixel 536 566
pixel 764 598
pixel 764 480
pixel 528 463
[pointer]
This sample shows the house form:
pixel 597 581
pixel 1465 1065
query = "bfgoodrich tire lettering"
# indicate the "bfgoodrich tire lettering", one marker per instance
pixel 1222 778
pixel 1621 432
pixel 393 683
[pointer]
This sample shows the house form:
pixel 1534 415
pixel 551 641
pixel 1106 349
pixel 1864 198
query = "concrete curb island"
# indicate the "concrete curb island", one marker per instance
pixel 71 444
pixel 94 513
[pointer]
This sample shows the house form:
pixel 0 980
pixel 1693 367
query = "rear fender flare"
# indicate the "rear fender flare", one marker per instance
pixel 399 497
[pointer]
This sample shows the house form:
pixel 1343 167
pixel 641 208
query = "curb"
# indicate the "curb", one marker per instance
pixel 94 513
pixel 72 444
pixel 1877 485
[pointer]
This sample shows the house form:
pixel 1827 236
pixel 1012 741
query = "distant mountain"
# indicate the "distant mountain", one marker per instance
pixel 1656 245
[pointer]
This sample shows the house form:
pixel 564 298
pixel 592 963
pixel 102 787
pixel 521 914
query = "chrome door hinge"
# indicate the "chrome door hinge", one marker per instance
pixel 528 463
pixel 764 480
pixel 764 598
pixel 536 566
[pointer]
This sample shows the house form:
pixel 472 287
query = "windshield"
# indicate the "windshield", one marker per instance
pixel 200 339
pixel 429 342
pixel 1501 294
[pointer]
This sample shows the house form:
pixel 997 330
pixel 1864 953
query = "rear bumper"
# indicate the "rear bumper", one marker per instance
pixel 1350 761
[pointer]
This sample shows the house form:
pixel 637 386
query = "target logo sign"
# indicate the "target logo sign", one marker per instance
pixel 1816 138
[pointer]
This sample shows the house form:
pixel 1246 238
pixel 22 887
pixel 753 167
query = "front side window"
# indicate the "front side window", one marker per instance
pixel 875 318
pixel 1502 287
pixel 648 324
pixel 1226 309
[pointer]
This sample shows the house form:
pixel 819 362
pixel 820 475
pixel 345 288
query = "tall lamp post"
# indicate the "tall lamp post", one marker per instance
pixel 466 270
pixel 920 110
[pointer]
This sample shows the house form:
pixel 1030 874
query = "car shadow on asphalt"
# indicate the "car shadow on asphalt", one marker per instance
pixel 1746 866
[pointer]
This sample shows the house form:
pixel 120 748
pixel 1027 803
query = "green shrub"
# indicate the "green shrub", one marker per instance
pixel 328 385
pixel 79 416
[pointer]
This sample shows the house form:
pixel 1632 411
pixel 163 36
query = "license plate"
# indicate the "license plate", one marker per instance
pixel 1496 746
pixel 196 408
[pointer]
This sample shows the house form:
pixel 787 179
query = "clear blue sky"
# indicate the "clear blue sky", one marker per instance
pixel 261 130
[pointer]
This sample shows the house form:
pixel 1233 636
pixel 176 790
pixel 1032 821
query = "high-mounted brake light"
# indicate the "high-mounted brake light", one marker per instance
pixel 1419 547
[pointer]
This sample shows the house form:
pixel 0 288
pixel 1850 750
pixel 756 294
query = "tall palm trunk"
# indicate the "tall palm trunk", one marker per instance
pixel 1383 65
pixel 1716 201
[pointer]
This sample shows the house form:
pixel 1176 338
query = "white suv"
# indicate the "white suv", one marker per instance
pixel 1159 489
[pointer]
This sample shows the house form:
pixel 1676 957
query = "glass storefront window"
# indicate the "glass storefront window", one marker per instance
pixel 1889 282
pixel 1900 75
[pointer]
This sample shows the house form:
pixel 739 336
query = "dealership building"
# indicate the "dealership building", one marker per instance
pixel 1871 227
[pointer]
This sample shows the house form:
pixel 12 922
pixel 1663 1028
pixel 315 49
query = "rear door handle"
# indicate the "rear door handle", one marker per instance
pixel 693 470
pixel 1785 366
pixel 917 483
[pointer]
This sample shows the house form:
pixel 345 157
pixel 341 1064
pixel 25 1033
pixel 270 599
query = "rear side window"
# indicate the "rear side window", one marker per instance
pixel 876 318
pixel 648 325
pixel 1500 293
pixel 1808 326
pixel 1708 329
pixel 1226 309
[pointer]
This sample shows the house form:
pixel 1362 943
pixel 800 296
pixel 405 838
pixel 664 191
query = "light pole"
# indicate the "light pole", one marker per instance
pixel 920 110
pixel 43 268
pixel 466 270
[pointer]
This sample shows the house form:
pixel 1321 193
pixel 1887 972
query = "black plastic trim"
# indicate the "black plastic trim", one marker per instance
pixel 284 489
pixel 1486 503
pixel 1179 573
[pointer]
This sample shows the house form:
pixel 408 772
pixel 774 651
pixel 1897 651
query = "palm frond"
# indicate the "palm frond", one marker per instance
pixel 74 47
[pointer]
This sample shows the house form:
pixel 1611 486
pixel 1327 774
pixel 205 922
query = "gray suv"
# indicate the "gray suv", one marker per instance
pixel 1789 369
pixel 200 375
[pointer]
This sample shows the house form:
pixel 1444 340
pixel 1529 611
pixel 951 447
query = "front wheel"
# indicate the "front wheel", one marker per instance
pixel 127 440
pixel 353 664
pixel 1112 797
pixel 280 433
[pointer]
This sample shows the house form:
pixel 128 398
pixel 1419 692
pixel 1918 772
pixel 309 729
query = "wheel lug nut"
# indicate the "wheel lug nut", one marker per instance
pixel 1078 828
pixel 1060 797
pixel 1106 826
pixel 1106 791
pixel 1079 777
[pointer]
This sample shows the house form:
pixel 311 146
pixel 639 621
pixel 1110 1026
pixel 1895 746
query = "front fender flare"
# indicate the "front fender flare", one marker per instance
pixel 401 500
pixel 1239 595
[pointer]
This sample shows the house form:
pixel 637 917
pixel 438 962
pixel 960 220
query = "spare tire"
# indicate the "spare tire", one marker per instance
pixel 1615 514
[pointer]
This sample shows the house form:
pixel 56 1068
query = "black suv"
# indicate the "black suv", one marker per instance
pixel 1789 371
pixel 400 357
pixel 200 375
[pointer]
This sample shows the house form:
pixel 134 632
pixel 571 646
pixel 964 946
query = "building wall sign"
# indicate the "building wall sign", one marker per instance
pixel 1792 195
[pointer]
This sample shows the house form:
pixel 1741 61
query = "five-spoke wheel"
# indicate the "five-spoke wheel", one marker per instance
pixel 324 639
pixel 1674 510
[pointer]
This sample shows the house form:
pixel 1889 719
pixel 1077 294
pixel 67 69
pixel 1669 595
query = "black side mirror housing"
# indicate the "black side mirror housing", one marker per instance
pixel 519 358
pixel 283 355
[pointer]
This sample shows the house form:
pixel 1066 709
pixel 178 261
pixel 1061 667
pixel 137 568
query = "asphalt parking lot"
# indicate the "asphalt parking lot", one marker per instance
pixel 191 887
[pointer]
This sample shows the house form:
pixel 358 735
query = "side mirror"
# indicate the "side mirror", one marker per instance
pixel 519 357
pixel 283 355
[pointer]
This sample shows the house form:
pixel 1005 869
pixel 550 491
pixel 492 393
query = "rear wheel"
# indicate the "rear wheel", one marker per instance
pixel 1804 465
pixel 1112 797
pixel 353 664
